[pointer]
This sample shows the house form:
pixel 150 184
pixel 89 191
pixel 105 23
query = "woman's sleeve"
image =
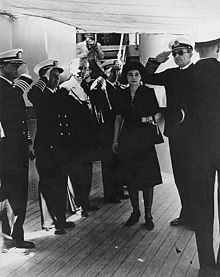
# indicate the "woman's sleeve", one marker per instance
pixel 151 102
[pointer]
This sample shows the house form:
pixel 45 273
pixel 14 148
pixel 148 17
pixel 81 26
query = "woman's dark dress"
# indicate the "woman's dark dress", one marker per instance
pixel 136 150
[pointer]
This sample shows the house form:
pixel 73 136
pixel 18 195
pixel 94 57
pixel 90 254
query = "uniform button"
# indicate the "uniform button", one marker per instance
pixel 68 134
pixel 60 124
pixel 67 124
pixel 58 115
pixel 61 134
pixel 23 121
pixel 65 115
pixel 51 146
pixel 23 133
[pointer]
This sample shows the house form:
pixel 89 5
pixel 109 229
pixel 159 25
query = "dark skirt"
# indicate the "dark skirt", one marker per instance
pixel 139 166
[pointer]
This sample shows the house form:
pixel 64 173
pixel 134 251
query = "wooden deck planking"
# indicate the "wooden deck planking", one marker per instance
pixel 101 246
pixel 90 225
pixel 138 234
pixel 140 256
pixel 188 263
pixel 173 256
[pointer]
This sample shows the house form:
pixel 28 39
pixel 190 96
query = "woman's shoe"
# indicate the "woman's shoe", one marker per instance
pixel 149 223
pixel 134 218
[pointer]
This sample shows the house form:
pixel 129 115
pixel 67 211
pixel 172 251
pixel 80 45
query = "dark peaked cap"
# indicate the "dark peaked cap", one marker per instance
pixel 207 37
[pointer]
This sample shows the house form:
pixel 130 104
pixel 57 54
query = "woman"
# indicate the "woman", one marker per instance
pixel 135 123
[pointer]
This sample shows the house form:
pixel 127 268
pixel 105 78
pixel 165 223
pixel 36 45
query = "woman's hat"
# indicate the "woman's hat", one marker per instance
pixel 132 65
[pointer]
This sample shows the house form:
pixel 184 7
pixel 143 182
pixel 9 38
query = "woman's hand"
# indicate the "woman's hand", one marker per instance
pixel 115 147
pixel 158 117
pixel 150 119
pixel 154 119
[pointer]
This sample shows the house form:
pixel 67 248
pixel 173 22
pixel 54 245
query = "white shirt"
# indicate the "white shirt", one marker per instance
pixel 186 66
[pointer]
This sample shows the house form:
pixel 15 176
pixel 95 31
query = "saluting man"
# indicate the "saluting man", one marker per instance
pixel 51 144
pixel 177 82
pixel 15 142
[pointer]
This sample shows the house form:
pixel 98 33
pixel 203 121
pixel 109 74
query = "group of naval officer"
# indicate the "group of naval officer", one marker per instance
pixel 55 135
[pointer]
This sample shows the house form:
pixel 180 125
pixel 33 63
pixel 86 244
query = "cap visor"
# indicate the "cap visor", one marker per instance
pixel 179 48
pixel 16 61
pixel 60 69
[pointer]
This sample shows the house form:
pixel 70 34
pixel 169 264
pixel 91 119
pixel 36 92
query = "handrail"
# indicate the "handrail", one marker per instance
pixel 123 55
pixel 120 46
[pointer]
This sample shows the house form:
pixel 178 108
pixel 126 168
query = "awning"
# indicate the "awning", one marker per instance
pixel 128 16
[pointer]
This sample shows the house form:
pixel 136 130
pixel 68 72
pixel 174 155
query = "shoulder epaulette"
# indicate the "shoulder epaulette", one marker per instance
pixel 41 83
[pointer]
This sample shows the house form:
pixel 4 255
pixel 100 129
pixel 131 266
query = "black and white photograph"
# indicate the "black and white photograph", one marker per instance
pixel 109 138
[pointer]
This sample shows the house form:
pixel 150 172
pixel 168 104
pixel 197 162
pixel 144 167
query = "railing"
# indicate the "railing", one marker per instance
pixel 116 52
pixel 121 54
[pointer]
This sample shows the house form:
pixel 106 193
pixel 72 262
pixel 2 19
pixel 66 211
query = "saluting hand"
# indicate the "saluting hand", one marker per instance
pixel 162 57
pixel 47 73
pixel 23 69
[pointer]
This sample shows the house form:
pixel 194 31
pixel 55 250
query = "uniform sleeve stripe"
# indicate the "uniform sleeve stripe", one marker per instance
pixel 26 79
pixel 40 84
pixel 29 138
pixel 22 85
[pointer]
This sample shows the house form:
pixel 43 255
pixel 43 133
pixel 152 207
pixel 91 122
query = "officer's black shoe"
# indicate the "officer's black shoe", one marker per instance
pixel 24 244
pixel 84 214
pixel 60 232
pixel 114 200
pixel 124 196
pixel 69 224
pixel 134 218
pixel 178 222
